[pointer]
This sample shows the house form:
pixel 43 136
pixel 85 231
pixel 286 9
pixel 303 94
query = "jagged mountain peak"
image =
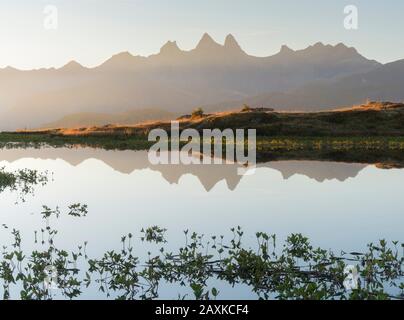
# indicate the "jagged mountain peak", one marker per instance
pixel 122 55
pixel 318 47
pixel 120 58
pixel 231 42
pixel 331 51
pixel 121 61
pixel 72 66
pixel 207 38
pixel 285 49
pixel 341 46
pixel 207 42
pixel 170 47
pixel 231 45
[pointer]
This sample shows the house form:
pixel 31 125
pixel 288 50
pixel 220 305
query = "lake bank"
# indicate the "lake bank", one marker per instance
pixel 387 151
pixel 372 133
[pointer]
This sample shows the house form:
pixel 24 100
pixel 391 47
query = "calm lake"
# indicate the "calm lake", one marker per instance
pixel 339 206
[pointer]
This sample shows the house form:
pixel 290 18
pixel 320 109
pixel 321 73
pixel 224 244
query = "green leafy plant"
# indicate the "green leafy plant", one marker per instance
pixel 294 270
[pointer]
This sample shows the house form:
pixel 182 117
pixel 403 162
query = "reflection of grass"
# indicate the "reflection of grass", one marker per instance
pixel 295 270
pixel 372 149
pixel 118 142
pixel 384 150
pixel 334 143
pixel 264 143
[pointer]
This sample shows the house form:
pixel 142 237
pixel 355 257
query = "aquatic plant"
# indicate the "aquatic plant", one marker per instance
pixel 22 181
pixel 293 270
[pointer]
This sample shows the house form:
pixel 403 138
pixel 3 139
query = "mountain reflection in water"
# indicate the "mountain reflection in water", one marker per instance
pixel 209 175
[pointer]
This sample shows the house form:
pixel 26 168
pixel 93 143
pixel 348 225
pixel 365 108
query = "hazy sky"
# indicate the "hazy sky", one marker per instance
pixel 90 31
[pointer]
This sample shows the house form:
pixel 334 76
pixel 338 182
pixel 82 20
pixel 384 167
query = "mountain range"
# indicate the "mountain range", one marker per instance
pixel 384 83
pixel 215 76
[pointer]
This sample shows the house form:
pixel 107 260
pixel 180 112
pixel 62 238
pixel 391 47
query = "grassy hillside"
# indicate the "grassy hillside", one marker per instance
pixel 372 119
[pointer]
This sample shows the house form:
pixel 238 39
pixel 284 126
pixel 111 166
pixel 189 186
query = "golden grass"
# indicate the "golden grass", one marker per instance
pixel 350 121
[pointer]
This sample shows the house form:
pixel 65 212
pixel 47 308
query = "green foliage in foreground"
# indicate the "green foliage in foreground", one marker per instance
pixel 21 181
pixel 295 270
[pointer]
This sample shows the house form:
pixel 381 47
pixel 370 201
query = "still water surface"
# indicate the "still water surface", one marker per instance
pixel 338 206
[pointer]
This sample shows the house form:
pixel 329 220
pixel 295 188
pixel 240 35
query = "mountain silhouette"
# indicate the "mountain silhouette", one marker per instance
pixel 173 80
pixel 127 162
pixel 385 83
pixel 72 66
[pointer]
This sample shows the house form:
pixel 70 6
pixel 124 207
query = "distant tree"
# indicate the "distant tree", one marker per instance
pixel 246 108
pixel 198 112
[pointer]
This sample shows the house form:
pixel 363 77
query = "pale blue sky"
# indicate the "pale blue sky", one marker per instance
pixel 90 31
